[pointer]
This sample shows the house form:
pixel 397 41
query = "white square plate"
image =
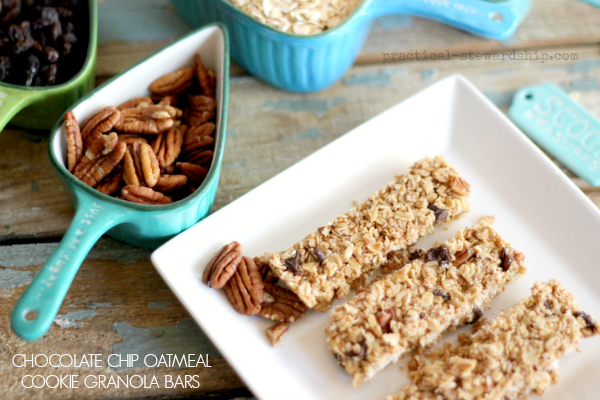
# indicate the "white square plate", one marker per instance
pixel 536 208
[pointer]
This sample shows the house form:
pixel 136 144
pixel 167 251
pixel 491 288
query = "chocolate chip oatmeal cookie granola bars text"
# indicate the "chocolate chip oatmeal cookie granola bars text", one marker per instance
pixel 321 267
pixel 509 357
pixel 443 288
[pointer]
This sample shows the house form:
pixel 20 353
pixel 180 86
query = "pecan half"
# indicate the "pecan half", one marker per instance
pixel 461 256
pixel 137 102
pixel 168 101
pixel 129 139
pixel 74 141
pixel 112 183
pixel 193 172
pixel 280 304
pixel 104 165
pixel 200 157
pixel 144 195
pixel 173 84
pixel 150 120
pixel 99 148
pixel 275 333
pixel 140 166
pixel 459 186
pixel 205 79
pixel 199 137
pixel 169 183
pixel 100 123
pixel 201 109
pixel 245 288
pixel 167 145
pixel 222 266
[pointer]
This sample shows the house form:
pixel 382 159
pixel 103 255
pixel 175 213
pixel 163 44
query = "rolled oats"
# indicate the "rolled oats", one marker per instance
pixel 357 242
pixel 302 17
pixel 510 357
pixel 416 304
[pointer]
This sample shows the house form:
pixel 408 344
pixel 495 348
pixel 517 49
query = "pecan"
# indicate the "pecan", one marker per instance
pixel 222 266
pixel 173 84
pixel 459 186
pixel 201 109
pixel 169 183
pixel 129 139
pixel 74 142
pixel 245 288
pixel 193 172
pixel 168 170
pixel 140 166
pixel 200 157
pixel 99 148
pixel 167 145
pixel 137 102
pixel 267 275
pixel 147 120
pixel 199 137
pixel 205 80
pixel 112 183
pixel 101 122
pixel 384 318
pixel 168 101
pixel 104 165
pixel 144 195
pixel 275 333
pixel 280 304
pixel 461 256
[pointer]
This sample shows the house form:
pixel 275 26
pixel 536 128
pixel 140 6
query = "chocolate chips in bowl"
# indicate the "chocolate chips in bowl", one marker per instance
pixel 47 58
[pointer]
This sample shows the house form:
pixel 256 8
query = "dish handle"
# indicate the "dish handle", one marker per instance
pixel 491 20
pixel 14 100
pixel 36 309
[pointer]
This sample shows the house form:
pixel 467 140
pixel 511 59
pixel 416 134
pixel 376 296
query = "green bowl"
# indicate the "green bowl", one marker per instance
pixel 142 225
pixel 40 107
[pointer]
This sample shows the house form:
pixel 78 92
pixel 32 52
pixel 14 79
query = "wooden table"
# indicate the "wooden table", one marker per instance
pixel 118 304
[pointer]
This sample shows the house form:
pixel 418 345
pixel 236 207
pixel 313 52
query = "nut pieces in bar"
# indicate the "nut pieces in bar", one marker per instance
pixel 275 333
pixel 136 151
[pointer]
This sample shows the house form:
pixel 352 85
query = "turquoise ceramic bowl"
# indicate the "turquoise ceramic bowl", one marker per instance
pixel 311 63
pixel 142 225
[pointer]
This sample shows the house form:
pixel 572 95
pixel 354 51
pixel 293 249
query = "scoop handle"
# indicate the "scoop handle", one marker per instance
pixel 492 20
pixel 14 100
pixel 36 309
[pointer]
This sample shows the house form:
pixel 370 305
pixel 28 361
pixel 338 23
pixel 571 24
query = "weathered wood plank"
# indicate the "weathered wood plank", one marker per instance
pixel 134 314
pixel 269 130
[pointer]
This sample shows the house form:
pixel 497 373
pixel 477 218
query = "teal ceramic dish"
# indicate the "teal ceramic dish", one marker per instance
pixel 40 107
pixel 311 63
pixel 142 225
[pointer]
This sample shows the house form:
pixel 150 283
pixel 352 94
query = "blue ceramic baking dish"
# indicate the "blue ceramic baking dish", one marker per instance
pixel 311 63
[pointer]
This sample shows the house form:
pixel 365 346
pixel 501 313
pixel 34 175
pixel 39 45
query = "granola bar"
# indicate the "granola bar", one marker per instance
pixel 321 267
pixel 509 357
pixel 445 287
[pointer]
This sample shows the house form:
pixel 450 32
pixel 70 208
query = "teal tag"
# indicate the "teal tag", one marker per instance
pixel 561 127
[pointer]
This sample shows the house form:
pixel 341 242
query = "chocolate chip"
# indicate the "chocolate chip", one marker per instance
pixel 439 254
pixel 415 255
pixel 360 354
pixel 293 264
pixel 548 304
pixel 505 259
pixel 440 214
pixel 589 322
pixel 422 315
pixel 445 296
pixel 319 254
pixel 477 314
